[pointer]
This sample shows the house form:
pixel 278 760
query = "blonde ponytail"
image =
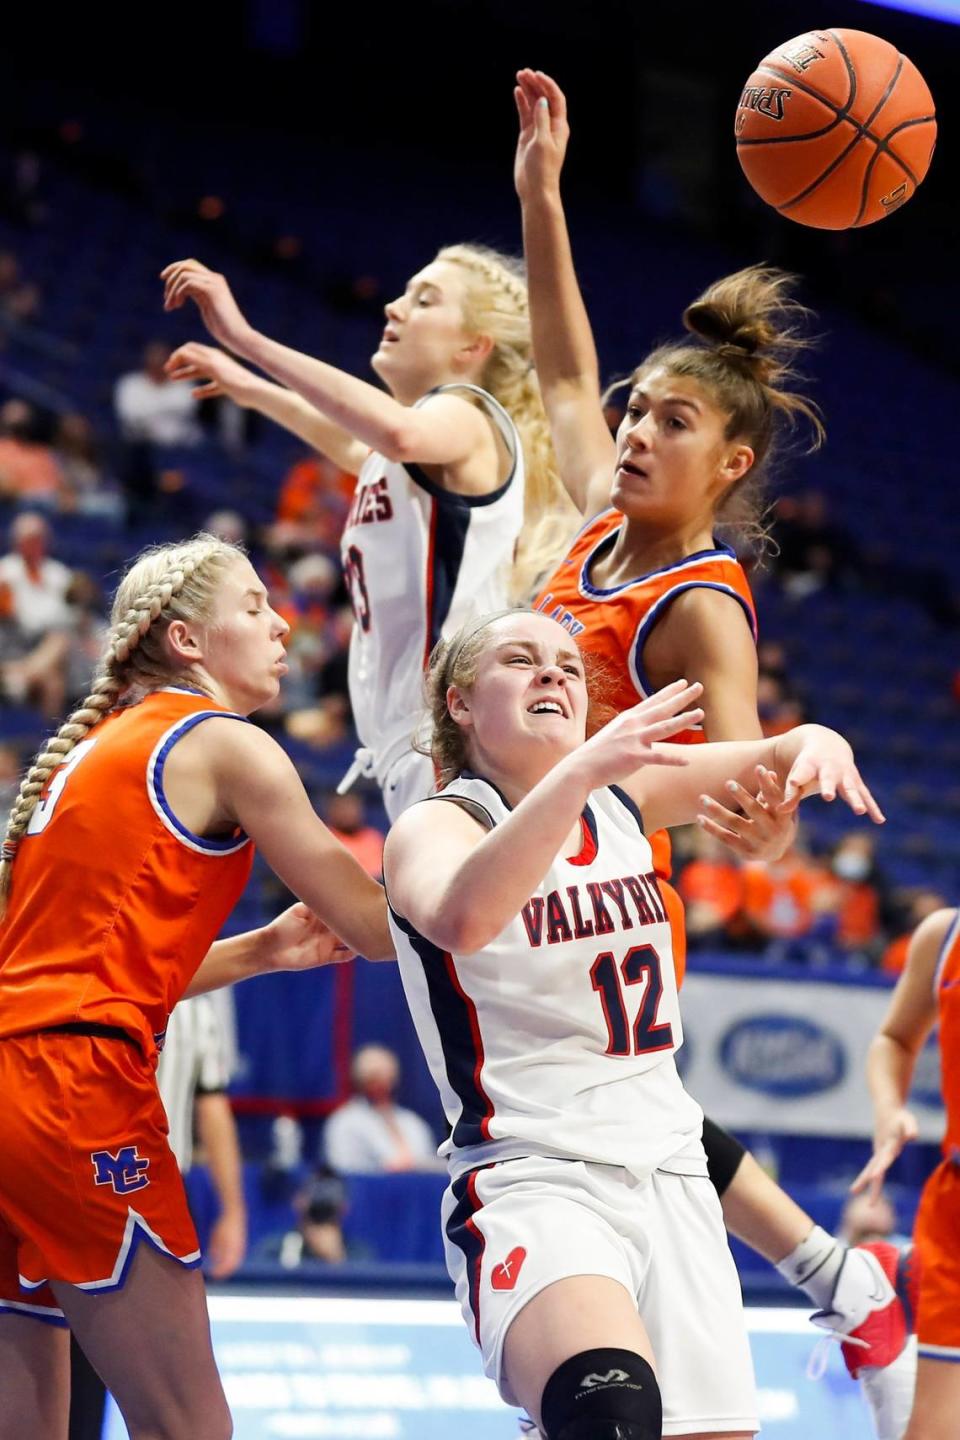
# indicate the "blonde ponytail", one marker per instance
pixel 497 305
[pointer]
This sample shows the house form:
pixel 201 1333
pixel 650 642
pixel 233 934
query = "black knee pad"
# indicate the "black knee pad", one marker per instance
pixel 724 1153
pixel 602 1395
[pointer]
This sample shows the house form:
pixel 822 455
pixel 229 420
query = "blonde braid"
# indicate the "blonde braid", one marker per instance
pixel 135 615
pixel 497 304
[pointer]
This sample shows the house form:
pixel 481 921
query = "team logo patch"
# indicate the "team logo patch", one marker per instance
pixel 125 1170
pixel 507 1273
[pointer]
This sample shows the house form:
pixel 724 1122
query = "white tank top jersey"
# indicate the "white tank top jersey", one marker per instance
pixel 558 1038
pixel 419 561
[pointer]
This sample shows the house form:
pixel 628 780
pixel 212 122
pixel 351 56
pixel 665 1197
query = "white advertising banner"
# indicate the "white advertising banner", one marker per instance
pixel 790 1056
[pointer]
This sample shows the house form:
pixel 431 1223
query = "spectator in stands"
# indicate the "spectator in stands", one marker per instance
pixel 86 636
pixel 314 500
pixel 812 551
pixel 785 903
pixel 779 711
pixel 85 486
pixel 155 415
pixel 11 771
pixel 153 409
pixel 344 815
pixel 370 1134
pixel 228 525
pixel 19 298
pixel 711 886
pixel 320 1205
pixel 34 601
pixel 857 888
pixel 37 584
pixel 921 904
pixel 28 468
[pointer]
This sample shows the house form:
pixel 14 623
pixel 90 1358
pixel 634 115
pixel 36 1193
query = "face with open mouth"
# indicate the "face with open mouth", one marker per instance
pixel 528 702
pixel 671 445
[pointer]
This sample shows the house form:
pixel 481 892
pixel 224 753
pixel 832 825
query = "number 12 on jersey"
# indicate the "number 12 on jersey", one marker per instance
pixel 640 966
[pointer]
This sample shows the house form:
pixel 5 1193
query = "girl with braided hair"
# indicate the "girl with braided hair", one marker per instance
pixel 128 845
pixel 649 589
pixel 457 507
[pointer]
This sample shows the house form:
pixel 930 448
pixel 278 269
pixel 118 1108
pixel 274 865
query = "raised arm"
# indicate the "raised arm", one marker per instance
pixel 893 1051
pixel 220 374
pixel 443 432
pixel 563 346
pixel 808 760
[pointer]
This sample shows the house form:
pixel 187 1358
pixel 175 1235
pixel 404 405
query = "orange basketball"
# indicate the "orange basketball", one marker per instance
pixel 835 129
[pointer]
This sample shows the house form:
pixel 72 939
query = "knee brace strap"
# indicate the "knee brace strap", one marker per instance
pixel 602 1395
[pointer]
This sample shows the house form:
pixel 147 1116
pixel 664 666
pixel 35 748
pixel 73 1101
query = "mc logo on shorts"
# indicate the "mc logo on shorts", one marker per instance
pixel 124 1171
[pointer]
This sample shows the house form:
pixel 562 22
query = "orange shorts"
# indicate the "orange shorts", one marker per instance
pixel 86 1173
pixel 936 1236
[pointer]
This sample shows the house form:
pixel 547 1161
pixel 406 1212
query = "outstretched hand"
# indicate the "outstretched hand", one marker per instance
pixel 189 280
pixel 758 829
pixel 825 765
pixel 221 374
pixel 629 741
pixel 544 133
pixel 298 940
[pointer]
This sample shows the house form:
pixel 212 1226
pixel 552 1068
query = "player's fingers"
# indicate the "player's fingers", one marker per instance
pixel 669 700
pixel 209 391
pixel 558 101
pixel 770 787
pixel 541 118
pixel 722 833
pixel 749 803
pixel 671 725
pixel 801 773
pixel 828 781
pixel 523 107
pixel 728 818
pixel 655 756
pixel 860 800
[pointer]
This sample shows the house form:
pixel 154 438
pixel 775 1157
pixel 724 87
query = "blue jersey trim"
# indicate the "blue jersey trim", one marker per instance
pixel 630 805
pixel 656 613
pixel 451 1013
pixel 597 593
pixel 46 1316
pixel 155 786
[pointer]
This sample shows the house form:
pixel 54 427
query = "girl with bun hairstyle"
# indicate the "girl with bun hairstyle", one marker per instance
pixel 651 591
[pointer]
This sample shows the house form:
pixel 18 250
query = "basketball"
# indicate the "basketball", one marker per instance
pixel 835 129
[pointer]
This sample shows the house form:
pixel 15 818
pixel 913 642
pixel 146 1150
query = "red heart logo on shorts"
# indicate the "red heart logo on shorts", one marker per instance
pixel 506 1274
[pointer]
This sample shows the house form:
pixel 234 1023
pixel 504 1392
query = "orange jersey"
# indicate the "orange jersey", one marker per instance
pixel 114 902
pixel 948 1001
pixel 615 624
pixel 936 1231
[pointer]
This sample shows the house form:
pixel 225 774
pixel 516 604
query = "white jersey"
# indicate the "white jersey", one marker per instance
pixel 558 1038
pixel 419 561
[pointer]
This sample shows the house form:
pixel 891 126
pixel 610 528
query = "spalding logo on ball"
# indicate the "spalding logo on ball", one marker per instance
pixel 836 129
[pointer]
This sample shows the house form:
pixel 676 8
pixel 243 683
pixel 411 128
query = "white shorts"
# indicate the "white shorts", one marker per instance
pixel 512 1229
pixel 410 778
